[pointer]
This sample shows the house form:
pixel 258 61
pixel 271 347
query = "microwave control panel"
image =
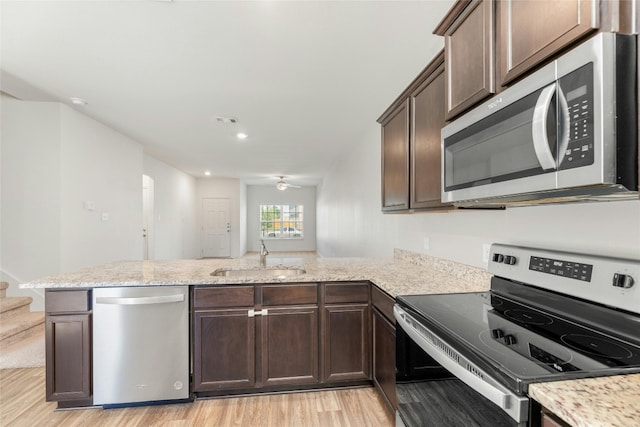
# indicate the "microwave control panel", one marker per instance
pixel 578 91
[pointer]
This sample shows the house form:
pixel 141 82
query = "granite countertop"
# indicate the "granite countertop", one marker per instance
pixel 593 402
pixel 405 274
pixel 596 402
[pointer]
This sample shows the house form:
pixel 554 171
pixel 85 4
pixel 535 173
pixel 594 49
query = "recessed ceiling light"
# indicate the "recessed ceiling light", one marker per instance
pixel 227 120
pixel 241 135
pixel 207 173
pixel 78 101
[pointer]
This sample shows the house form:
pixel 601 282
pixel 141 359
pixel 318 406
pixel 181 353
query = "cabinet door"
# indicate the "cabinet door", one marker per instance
pixel 470 56
pixel 532 30
pixel 346 343
pixel 68 354
pixel 384 358
pixel 395 159
pixel 549 420
pixel 427 118
pixel 224 350
pixel 289 346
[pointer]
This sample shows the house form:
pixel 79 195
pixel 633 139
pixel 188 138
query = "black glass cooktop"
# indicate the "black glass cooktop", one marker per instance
pixel 523 344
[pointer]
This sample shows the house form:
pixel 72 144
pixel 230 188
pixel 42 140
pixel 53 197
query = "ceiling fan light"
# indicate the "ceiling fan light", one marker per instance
pixel 281 186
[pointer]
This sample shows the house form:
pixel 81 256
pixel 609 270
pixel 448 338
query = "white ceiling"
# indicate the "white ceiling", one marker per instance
pixel 306 79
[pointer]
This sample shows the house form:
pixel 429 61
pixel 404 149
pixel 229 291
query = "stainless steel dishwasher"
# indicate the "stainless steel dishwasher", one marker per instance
pixel 140 344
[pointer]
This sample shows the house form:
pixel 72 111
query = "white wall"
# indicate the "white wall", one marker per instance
pixel 261 195
pixel 350 222
pixel 228 188
pixel 54 160
pixel 30 191
pixel 174 211
pixel 102 166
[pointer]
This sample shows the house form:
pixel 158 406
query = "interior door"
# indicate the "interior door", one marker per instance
pixel 216 227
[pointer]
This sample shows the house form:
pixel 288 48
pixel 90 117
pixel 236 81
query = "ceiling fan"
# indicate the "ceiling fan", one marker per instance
pixel 282 185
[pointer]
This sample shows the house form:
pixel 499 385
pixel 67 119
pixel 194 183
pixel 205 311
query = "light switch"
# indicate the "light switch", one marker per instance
pixel 105 216
pixel 90 206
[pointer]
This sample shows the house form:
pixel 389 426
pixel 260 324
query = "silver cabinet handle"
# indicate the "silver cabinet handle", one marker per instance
pixel 539 128
pixel 253 313
pixel 161 299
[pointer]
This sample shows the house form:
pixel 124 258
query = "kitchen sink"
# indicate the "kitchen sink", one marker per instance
pixel 267 271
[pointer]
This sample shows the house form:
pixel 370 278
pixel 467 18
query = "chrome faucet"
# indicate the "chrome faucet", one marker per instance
pixel 263 254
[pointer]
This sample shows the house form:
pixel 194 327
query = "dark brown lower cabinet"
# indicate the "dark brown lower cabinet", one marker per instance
pixel 289 346
pixel 270 344
pixel 384 358
pixel 274 337
pixel 68 348
pixel 384 346
pixel 346 343
pixel 224 350
pixel 548 419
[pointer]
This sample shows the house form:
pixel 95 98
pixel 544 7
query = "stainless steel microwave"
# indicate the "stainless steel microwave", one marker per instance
pixel 566 132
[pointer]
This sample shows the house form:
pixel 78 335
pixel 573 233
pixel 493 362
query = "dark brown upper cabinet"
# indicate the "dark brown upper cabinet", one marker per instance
pixel 395 159
pixel 490 44
pixel 469 46
pixel 411 171
pixel 427 120
pixel 529 31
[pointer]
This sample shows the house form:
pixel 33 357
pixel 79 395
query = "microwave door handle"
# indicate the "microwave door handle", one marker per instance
pixel 539 128
pixel 565 122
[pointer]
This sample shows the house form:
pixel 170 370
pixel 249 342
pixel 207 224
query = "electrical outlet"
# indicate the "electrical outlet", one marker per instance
pixel 486 250
pixel 426 244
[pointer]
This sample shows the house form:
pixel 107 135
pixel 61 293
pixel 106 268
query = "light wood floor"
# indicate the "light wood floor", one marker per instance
pixel 22 403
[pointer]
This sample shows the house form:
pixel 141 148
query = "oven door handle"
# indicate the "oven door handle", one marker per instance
pixel 515 406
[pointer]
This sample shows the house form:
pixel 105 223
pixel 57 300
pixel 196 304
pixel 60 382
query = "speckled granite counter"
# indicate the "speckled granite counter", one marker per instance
pixel 593 402
pixel 597 402
pixel 404 274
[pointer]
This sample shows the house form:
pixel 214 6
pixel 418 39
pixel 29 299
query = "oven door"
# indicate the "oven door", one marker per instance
pixel 437 386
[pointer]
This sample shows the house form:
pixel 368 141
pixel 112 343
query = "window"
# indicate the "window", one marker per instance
pixel 281 221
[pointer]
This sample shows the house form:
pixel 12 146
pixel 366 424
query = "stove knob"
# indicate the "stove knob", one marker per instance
pixel 497 333
pixel 509 340
pixel 498 257
pixel 511 260
pixel 622 280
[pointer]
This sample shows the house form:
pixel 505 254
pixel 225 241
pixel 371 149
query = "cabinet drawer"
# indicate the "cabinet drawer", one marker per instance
pixel 66 301
pixel 383 302
pixel 228 296
pixel 336 293
pixel 289 294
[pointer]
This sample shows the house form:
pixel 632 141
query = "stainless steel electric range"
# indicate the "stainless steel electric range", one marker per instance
pixel 468 359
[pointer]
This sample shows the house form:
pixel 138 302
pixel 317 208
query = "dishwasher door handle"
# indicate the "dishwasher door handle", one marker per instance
pixel 160 299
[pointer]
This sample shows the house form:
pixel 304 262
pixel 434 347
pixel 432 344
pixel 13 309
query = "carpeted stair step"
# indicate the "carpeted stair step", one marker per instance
pixel 19 327
pixel 14 306
pixel 3 289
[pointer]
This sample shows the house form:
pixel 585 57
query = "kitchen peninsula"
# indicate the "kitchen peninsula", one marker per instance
pixel 404 274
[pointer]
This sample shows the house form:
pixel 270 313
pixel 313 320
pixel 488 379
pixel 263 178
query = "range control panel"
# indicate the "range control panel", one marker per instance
pixel 574 270
pixel 605 280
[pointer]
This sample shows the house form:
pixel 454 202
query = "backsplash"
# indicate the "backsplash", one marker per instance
pixel 460 271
